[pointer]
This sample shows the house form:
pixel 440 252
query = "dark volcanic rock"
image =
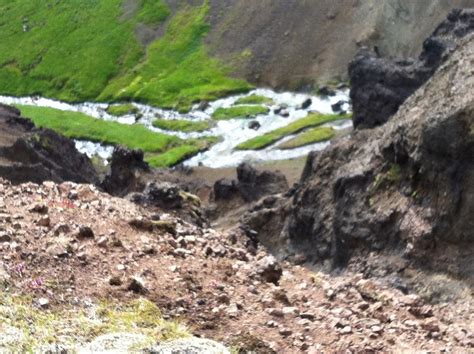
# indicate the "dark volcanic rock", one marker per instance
pixel 405 189
pixel 225 189
pixel 126 168
pixel 37 155
pixel 379 86
pixel 164 195
pixel 255 125
pixel 251 184
pixel 254 184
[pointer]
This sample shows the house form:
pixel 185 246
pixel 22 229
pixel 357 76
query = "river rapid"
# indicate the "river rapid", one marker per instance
pixel 232 132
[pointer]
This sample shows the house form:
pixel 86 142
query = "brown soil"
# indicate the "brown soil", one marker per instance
pixel 206 278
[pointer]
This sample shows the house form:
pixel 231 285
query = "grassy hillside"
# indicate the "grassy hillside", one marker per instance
pixel 79 50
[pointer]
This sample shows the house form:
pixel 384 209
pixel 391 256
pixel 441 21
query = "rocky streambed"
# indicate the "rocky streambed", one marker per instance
pixel 231 132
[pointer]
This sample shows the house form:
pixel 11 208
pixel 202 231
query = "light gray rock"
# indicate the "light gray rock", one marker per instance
pixel 190 346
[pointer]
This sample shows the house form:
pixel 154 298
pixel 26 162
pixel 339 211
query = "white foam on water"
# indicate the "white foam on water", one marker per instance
pixel 231 132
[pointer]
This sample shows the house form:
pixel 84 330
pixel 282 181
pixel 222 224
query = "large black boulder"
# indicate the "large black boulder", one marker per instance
pixel 28 154
pixel 380 85
pixel 126 168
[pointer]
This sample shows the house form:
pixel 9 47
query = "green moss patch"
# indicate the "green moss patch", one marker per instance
pixel 239 112
pixel 180 153
pixel 182 125
pixel 122 110
pixel 177 70
pixel 313 120
pixel 70 326
pixel 254 99
pixel 80 126
pixel 309 137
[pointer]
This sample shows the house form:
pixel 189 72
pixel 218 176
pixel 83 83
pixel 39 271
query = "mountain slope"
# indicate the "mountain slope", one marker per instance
pixel 75 50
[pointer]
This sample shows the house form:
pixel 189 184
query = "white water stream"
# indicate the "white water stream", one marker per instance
pixel 232 132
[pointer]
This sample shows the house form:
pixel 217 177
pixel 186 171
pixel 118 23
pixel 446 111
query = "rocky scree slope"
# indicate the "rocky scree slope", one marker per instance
pixel 28 154
pixel 380 85
pixel 393 198
pixel 67 248
pixel 292 44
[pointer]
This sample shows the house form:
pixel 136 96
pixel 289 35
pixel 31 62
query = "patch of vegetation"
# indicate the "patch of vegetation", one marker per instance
pixel 308 137
pixel 68 326
pixel 313 120
pixel 239 112
pixel 182 125
pixel 76 51
pixel 177 70
pixel 180 153
pixel 122 109
pixel 392 176
pixel 254 99
pixel 76 125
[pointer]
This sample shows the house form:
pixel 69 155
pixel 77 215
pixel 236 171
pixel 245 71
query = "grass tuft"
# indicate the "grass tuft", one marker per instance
pixel 313 120
pixel 69 326
pixel 309 137
pixel 182 125
pixel 122 110
pixel 254 99
pixel 239 112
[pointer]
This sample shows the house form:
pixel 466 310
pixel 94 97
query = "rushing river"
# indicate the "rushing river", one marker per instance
pixel 232 132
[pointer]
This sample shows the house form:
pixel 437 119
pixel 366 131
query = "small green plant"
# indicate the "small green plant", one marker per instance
pixel 392 176
pixel 239 112
pixel 308 137
pixel 182 125
pixel 254 99
pixel 122 109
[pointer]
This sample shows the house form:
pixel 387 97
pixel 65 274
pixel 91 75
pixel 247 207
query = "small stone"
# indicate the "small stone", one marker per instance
pixel 290 311
pixel 102 242
pixel 269 269
pixel 85 232
pixel 376 329
pixel 43 303
pixel 346 330
pixel 276 312
pixel 44 221
pixel 40 209
pixel 272 324
pixel 307 316
pixel 82 256
pixel 285 332
pixel 115 280
pixel 5 237
pixel 137 285
pixel 120 267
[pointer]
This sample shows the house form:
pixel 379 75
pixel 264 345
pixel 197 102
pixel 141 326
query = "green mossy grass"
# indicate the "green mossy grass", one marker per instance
pixel 180 153
pixel 182 125
pixel 122 109
pixel 69 326
pixel 75 51
pixel 254 99
pixel 159 148
pixel 177 70
pixel 239 112
pixel 313 120
pixel 308 137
